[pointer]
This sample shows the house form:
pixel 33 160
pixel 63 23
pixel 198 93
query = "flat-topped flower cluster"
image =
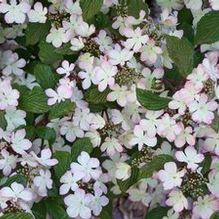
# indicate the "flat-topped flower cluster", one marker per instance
pixel 104 98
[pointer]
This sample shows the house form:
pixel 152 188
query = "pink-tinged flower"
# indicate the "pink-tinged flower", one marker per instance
pixel 8 96
pixel 211 144
pixel 185 136
pixel 82 118
pixel 119 56
pixel 38 14
pixel 43 182
pixel 168 128
pixel 103 41
pixel 57 37
pixel 150 52
pixel 16 192
pixel 63 92
pixel 205 206
pixel 18 142
pixel 69 182
pixel 111 146
pixel 141 138
pixel 121 95
pixel 45 158
pixel 104 75
pixel 15 12
pixel 177 200
pixel 8 162
pixel 66 68
pixel 135 39
pixel 78 204
pixel 87 168
pixel 191 157
pixel 213 187
pixel 170 177
pixel 214 4
pixel 202 110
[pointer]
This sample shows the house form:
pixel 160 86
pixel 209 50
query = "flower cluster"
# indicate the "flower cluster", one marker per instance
pixel 101 98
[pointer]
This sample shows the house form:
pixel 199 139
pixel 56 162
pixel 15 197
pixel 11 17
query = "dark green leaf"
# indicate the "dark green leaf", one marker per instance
pixel 83 144
pixel 61 109
pixel 3 122
pixel 56 210
pixel 215 215
pixel 207 28
pixel 157 213
pixel 45 76
pixel 46 133
pixel 47 53
pixel 181 52
pixel 36 32
pixel 156 164
pixel 63 165
pixel 17 216
pixel 135 6
pixel 94 96
pixel 34 101
pixel 16 178
pixel 206 164
pixel 150 100
pixel 90 8
pixel 39 210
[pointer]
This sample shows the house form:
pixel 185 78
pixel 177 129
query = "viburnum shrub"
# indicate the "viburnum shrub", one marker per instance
pixel 103 99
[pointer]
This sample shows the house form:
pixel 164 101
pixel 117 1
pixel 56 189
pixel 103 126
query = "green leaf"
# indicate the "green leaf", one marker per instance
pixel 16 178
pixel 17 216
pixel 94 96
pixel 45 76
pixel 206 164
pixel 181 53
pixel 107 211
pixel 63 165
pixel 61 109
pixel 135 6
pixel 56 210
pixel 156 164
pixel 39 210
pixel 3 122
pixel 157 213
pixel 83 144
pixel 36 32
pixel 34 101
pixel 215 215
pixel 207 28
pixel 47 53
pixel 46 133
pixel 126 184
pixel 90 8
pixel 150 100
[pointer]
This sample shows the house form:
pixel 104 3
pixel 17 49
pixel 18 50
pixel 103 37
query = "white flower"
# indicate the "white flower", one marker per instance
pixel 82 118
pixel 191 157
pixel 14 118
pixel 77 204
pixel 123 171
pixel 42 182
pixel 86 168
pixel 66 68
pixel 171 214
pixel 170 177
pixel 16 192
pixel 141 138
pixel 7 162
pixel 121 95
pixel 57 37
pixel 87 76
pixel 38 15
pixel 71 131
pixel 119 56
pixel 150 52
pixel 104 75
pixel 69 181
pixel 15 12
pixel 193 4
pixel 103 41
pixel 45 158
pixel 213 183
pixel 135 39
pixel 18 142
pixel 214 4
pixel 94 137
pixel 111 146
pixel 171 4
pixel 77 44
pixel 177 200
